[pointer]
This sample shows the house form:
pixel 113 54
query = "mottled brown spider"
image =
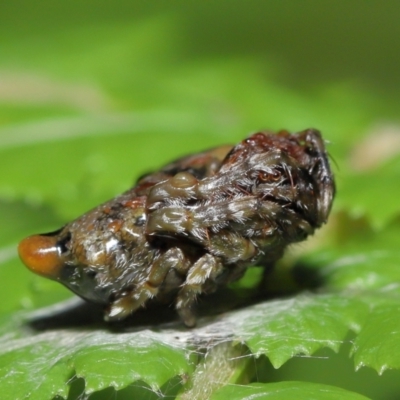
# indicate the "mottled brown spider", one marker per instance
pixel 192 226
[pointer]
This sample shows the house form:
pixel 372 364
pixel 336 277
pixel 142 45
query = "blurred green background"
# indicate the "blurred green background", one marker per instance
pixel 94 93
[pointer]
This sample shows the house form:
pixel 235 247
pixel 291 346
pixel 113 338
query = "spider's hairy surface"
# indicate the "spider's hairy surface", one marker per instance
pixel 192 226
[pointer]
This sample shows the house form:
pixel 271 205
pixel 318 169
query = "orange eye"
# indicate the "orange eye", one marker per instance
pixel 269 177
pixel 263 176
pixel 41 255
pixel 276 175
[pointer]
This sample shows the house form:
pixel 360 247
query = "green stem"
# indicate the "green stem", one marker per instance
pixel 223 364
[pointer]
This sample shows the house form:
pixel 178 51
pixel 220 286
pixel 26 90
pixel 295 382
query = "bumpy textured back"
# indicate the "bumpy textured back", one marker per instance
pixel 195 224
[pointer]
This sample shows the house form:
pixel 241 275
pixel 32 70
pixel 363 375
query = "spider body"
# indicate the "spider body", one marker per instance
pixel 192 226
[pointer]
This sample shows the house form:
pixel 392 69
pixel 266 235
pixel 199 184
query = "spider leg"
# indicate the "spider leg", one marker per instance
pixel 206 268
pixel 130 300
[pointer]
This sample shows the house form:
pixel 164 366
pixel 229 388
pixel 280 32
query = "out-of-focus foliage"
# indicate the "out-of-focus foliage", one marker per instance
pixel 285 391
pixel 93 94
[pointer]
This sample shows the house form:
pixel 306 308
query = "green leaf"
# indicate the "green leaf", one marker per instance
pixel 378 343
pixel 280 329
pixel 129 358
pixel 285 391
pixel 301 325
pixel 41 365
